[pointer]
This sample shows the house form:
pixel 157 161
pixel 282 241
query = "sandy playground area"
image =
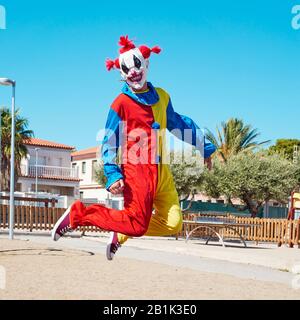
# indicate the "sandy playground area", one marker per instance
pixel 34 267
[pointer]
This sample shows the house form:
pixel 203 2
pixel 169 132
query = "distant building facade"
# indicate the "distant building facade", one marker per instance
pixel 86 162
pixel 50 162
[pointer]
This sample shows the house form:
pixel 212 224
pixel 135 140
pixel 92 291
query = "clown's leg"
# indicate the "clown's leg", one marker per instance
pixel 167 219
pixel 122 238
pixel 139 191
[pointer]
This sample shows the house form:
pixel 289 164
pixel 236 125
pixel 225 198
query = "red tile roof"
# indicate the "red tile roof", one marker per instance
pixel 85 151
pixel 46 143
pixel 86 154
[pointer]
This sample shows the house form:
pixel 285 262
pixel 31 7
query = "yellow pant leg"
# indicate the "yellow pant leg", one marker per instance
pixel 122 238
pixel 167 219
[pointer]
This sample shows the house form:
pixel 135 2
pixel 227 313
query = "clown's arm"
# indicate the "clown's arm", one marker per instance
pixel 177 123
pixel 110 146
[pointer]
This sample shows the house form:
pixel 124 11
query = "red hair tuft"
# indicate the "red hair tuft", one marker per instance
pixel 117 63
pixel 156 50
pixel 126 44
pixel 146 51
pixel 110 64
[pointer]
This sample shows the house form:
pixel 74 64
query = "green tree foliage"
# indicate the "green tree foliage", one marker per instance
pixel 21 134
pixel 233 137
pixel 297 164
pixel 285 147
pixel 99 175
pixel 187 174
pixel 254 178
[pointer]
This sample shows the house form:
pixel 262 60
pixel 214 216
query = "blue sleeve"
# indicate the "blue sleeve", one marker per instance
pixel 110 146
pixel 177 124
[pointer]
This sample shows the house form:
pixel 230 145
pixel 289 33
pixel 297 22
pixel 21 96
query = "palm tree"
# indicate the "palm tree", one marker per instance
pixel 21 134
pixel 234 137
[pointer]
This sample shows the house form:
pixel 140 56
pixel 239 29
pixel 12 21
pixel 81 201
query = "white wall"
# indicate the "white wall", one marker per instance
pixel 88 188
pixel 28 184
pixel 100 194
pixel 49 157
pixel 86 178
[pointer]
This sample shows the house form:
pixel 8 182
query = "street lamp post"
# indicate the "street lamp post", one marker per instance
pixel 0 151
pixel 36 171
pixel 0 156
pixel 12 83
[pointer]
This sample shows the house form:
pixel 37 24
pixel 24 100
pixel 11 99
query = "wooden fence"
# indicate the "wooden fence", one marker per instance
pixel 281 231
pixel 34 218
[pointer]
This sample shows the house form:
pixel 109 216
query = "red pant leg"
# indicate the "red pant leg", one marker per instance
pixel 140 186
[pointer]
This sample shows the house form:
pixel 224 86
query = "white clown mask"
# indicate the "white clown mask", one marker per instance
pixel 133 62
pixel 134 68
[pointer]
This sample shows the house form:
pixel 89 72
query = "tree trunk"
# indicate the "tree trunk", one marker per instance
pixel 249 205
pixel 237 207
pixel 5 179
pixel 5 175
pixel 190 202
pixel 254 206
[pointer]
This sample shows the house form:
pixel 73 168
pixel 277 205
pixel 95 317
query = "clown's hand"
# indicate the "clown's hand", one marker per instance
pixel 208 163
pixel 117 187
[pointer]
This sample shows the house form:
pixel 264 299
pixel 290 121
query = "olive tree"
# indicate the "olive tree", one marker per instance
pixel 187 170
pixel 254 178
pixel 99 174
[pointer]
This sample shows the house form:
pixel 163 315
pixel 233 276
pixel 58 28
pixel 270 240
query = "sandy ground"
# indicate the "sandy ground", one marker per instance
pixel 263 254
pixel 40 269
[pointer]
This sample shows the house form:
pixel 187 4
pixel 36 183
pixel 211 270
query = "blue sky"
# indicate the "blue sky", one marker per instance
pixel 220 59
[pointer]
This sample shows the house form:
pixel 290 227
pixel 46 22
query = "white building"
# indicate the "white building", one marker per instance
pixel 86 162
pixel 50 162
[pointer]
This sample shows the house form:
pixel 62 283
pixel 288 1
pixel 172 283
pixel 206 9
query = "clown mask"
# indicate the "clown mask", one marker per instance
pixel 134 68
pixel 133 62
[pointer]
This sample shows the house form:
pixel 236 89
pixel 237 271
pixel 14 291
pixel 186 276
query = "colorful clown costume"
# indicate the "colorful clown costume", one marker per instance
pixel 136 132
pixel 147 185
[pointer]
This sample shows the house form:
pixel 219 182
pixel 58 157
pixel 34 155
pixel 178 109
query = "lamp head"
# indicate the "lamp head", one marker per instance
pixel 7 82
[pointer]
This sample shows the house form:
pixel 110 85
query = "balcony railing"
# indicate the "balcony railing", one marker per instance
pixel 49 171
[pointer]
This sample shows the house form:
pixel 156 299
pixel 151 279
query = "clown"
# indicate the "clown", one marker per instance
pixel 151 204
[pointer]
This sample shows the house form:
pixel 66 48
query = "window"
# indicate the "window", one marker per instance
pixel 94 169
pixel 74 165
pixel 83 168
pixel 81 195
pixel 220 201
pixel 41 161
